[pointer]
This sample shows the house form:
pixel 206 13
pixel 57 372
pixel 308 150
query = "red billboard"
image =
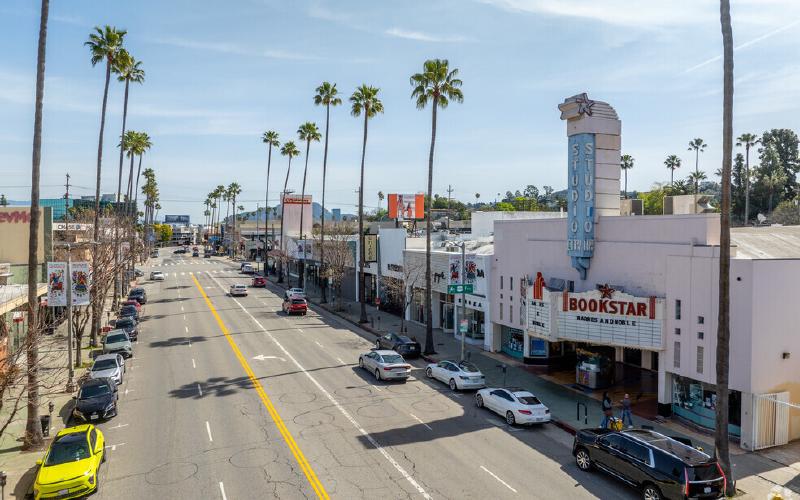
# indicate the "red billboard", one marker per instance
pixel 406 206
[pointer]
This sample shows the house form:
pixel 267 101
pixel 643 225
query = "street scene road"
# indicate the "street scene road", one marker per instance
pixel 226 397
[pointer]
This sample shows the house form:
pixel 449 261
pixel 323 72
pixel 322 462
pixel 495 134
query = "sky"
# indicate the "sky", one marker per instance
pixel 219 74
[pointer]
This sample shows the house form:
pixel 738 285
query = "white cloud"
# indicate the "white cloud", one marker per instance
pixel 423 37
pixel 233 48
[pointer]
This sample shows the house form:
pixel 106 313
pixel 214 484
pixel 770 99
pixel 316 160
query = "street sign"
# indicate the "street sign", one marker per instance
pixel 462 327
pixel 459 288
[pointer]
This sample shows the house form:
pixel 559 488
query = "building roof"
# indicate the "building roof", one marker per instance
pixel 14 296
pixel 771 242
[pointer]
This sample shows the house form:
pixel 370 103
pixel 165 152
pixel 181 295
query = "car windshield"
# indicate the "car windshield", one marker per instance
pixel 298 301
pixel 529 400
pixel 93 391
pixel 125 323
pixel 70 448
pixel 119 337
pixel 392 358
pixel 468 367
pixel 104 364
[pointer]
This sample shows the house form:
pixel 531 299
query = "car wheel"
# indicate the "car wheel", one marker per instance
pixel 583 460
pixel 479 401
pixel 428 372
pixel 452 384
pixel 377 344
pixel 377 374
pixel 651 492
pixel 510 420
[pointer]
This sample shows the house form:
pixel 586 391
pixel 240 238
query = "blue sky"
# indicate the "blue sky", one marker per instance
pixel 221 73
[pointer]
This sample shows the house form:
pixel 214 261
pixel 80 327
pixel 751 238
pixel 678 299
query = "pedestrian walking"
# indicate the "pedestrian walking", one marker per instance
pixel 607 406
pixel 626 411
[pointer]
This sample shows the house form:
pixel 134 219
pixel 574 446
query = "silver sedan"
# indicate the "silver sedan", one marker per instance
pixel 385 365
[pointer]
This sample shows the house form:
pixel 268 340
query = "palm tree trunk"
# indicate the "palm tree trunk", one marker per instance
pixel 672 177
pixel 747 183
pixel 363 316
pixel 281 257
pixel 119 186
pixel 626 184
pixel 302 269
pixel 429 347
pixel 96 313
pixel 324 294
pixel 723 322
pixel 266 217
pixel 33 429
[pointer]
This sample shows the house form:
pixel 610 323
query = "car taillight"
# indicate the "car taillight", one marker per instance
pixel 525 412
pixel 686 476
pixel 724 479
pixel 387 368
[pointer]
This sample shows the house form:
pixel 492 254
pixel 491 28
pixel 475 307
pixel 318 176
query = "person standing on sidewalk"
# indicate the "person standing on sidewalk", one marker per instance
pixel 626 411
pixel 607 406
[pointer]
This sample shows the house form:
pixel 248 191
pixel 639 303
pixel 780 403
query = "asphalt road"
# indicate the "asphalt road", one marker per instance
pixel 229 399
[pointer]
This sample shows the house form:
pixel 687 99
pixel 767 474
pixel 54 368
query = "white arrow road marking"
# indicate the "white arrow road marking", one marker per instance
pixel 118 426
pixel 500 480
pixel 114 446
pixel 261 357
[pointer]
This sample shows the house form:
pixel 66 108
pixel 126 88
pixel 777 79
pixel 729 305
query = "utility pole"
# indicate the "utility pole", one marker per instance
pixel 258 238
pixel 449 193
pixel 70 379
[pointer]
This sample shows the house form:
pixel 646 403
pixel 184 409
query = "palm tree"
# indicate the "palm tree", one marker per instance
pixel 695 178
pixel 477 197
pixel 698 146
pixel 327 96
pixel 270 138
pixel 747 140
pixel 773 179
pixel 234 190
pixel 723 321
pixel 307 132
pixel 219 193
pixel 672 163
pixel 626 163
pixel 439 84
pixel 143 145
pixel 104 45
pixel 363 101
pixel 290 150
pixel 33 429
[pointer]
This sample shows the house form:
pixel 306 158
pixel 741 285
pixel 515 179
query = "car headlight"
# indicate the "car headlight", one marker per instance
pixel 109 407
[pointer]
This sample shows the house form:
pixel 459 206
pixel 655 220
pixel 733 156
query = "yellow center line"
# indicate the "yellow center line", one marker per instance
pixel 287 437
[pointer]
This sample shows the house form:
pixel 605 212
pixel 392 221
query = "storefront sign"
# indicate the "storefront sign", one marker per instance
pixel 15 216
pixel 474 273
pixel 370 248
pixel 580 201
pixel 72 226
pixel 541 311
pixel 56 284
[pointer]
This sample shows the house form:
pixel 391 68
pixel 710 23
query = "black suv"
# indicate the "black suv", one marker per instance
pixel 129 311
pixel 660 466
pixel 139 295
pixel 407 347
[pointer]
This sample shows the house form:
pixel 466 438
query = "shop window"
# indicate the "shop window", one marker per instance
pixel 700 359
pixel 677 331
pixel 677 309
pixel 501 312
pixel 511 312
pixel 501 284
pixel 700 335
pixel 676 362
pixel 700 320
pixel 696 402
pixel 511 283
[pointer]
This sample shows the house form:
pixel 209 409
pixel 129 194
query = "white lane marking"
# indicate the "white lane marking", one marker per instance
pixel 420 421
pixel 186 328
pixel 128 390
pixel 300 330
pixel 341 409
pixel 208 428
pixel 340 361
pixel 318 343
pixel 118 426
pixel 182 311
pixel 500 480
pixel 377 388
pixel 193 365
pixel 183 274
pixel 199 390
pixel 184 317
pixel 222 490
pixel 114 446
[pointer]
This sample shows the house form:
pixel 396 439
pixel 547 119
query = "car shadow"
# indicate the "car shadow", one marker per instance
pixel 24 487
pixel 177 341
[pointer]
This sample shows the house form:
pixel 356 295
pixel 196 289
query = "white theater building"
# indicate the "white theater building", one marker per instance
pixel 643 291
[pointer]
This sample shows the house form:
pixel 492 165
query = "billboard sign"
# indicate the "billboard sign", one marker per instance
pixel 56 284
pixel 580 201
pixel 176 219
pixel 292 206
pixel 406 206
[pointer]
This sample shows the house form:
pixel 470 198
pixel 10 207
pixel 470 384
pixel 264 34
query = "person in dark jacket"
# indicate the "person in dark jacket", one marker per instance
pixel 607 406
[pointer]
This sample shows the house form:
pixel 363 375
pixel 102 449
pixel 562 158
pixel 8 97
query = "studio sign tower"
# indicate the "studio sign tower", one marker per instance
pixel 593 132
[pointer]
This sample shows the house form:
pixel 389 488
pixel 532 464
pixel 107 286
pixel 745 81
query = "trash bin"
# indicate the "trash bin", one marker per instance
pixel 45 420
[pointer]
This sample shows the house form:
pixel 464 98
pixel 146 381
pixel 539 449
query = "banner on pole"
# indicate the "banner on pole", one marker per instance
pixel 56 284
pixel 81 282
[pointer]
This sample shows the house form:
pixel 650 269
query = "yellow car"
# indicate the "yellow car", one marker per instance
pixel 69 468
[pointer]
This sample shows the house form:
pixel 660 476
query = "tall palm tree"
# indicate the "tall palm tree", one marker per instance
pixel 234 190
pixel 290 150
pixel 307 132
pixel 270 138
pixel 143 145
pixel 219 193
pixel 104 44
pixel 723 320
pixel 672 163
pixel 695 178
pixel 439 84
pixel 33 429
pixel 698 146
pixel 626 163
pixel 364 101
pixel 327 96
pixel 747 140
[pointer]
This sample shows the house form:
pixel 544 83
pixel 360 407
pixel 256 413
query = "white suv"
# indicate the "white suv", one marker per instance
pixel 238 290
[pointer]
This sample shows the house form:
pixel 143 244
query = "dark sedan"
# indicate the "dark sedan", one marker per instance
pixel 129 311
pixel 403 345
pixel 139 295
pixel 130 326
pixel 96 399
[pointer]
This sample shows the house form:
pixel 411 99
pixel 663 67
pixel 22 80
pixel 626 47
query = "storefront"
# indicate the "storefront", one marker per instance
pixel 418 306
pixel 446 307
pixel 695 402
pixel 512 342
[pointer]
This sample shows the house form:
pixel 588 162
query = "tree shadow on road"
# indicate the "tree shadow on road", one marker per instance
pixel 213 386
pixel 176 341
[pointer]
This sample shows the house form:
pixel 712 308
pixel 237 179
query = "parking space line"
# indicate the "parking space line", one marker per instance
pixel 208 428
pixel 318 343
pixel 222 490
pixel 199 390
pixel 186 328
pixel 500 480
pixel 193 365
pixel 420 421
pixel 340 361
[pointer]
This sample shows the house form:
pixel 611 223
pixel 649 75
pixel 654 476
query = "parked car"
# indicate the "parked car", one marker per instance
pixel 385 365
pixel 157 276
pixel 108 366
pixel 207 254
pixel 299 292
pixel 659 466
pixel 69 467
pixel 195 253
pixel 259 282
pixel 295 305
pixel 130 325
pixel 154 253
pixel 517 406
pixel 133 302
pixel 139 295
pixel 138 273
pixel 248 268
pixel 129 310
pixel 458 376
pixel 404 345
pixel 238 290
pixel 96 399
pixel 179 251
pixel 117 341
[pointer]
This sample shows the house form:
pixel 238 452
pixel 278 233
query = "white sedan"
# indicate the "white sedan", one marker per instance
pixel 238 290
pixel 385 365
pixel 157 276
pixel 515 405
pixel 458 376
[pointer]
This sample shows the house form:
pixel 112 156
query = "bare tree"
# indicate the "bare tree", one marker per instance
pixel 397 289
pixel 339 256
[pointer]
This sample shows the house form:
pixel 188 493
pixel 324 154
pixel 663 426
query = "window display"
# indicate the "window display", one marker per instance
pixel 697 402
pixel 513 342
